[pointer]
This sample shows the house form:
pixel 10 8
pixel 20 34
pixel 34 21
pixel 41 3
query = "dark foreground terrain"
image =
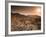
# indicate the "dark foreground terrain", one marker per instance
pixel 25 23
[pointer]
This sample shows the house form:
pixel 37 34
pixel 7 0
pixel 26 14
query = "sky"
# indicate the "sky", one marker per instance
pixel 27 10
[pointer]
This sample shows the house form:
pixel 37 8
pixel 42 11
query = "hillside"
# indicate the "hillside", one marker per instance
pixel 25 23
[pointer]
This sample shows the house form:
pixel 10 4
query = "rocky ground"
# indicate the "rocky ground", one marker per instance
pixel 25 23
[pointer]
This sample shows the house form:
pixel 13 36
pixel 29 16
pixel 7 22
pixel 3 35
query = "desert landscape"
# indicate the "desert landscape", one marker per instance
pixel 24 18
